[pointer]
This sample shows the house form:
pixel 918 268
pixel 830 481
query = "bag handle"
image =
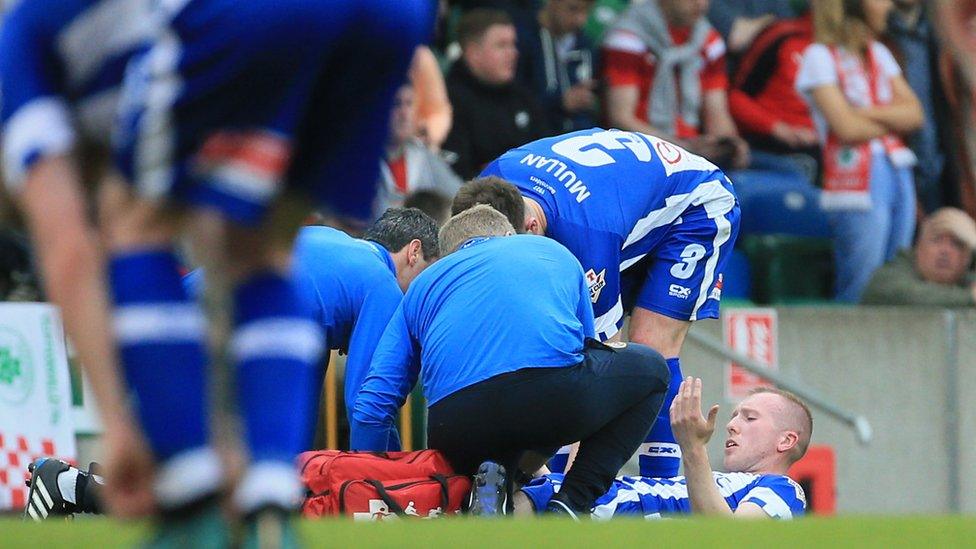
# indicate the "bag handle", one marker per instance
pixel 445 491
pixel 381 491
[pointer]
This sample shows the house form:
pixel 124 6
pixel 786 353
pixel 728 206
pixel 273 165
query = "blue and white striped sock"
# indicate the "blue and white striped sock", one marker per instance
pixel 276 346
pixel 161 338
pixel 660 455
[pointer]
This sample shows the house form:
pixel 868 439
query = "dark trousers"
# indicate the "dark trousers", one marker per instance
pixel 608 402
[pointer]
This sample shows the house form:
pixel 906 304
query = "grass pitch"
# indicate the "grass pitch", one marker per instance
pixel 849 531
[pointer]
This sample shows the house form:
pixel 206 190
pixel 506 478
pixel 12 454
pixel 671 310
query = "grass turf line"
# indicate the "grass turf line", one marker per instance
pixel 848 531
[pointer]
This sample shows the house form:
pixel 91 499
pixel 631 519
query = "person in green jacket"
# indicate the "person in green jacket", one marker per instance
pixel 938 271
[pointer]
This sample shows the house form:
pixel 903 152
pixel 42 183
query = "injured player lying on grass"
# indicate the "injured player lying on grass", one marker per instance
pixel 768 432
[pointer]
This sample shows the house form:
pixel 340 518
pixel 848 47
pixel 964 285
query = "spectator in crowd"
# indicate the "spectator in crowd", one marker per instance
pixel 408 165
pixel 556 62
pixel 861 105
pixel 741 21
pixel 432 203
pixel 938 272
pixel 664 67
pixel 433 109
pixel 913 37
pixel 765 105
pixel 492 112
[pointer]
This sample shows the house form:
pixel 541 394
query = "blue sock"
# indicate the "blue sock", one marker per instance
pixel 276 346
pixel 161 338
pixel 660 455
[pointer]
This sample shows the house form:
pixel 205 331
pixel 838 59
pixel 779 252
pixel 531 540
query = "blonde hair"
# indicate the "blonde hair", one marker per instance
pixel 798 418
pixel 480 220
pixel 836 23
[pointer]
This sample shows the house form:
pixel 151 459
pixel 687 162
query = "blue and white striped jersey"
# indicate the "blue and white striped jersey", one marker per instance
pixel 611 197
pixel 61 66
pixel 779 496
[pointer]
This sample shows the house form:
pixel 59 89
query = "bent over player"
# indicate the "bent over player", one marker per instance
pixel 651 223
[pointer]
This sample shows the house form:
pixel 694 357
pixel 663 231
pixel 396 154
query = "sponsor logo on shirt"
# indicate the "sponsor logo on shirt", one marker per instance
pixel 679 292
pixel 596 281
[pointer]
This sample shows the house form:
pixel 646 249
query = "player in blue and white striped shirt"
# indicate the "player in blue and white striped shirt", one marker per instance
pixel 768 432
pixel 651 223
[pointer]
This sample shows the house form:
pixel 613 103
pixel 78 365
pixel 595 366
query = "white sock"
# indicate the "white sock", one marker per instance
pixel 67 480
pixel 269 483
pixel 188 476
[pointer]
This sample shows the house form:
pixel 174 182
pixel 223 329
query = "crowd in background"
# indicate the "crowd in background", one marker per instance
pixel 834 119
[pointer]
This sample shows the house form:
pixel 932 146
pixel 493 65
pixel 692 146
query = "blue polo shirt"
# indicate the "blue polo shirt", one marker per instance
pixel 495 306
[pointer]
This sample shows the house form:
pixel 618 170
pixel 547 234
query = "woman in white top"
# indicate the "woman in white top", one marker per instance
pixel 861 106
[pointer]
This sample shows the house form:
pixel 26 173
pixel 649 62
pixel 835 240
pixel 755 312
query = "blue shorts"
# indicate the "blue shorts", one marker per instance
pixel 237 101
pixel 681 275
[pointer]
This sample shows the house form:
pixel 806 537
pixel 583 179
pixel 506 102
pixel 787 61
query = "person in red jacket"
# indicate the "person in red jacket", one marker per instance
pixel 764 103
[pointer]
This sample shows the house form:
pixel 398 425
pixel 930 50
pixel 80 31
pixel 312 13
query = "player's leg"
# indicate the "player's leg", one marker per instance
pixel 660 455
pixel 162 331
pixel 684 282
pixel 161 335
pixel 636 378
pixel 274 349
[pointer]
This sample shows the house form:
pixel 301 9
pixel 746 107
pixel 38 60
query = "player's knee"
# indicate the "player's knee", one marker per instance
pixel 128 222
pixel 648 365
pixel 251 251
pixel 665 335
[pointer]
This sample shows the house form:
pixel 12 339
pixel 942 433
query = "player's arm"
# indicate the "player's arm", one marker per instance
pixel 692 431
pixel 374 315
pixel 392 373
pixel 37 142
pixel 73 271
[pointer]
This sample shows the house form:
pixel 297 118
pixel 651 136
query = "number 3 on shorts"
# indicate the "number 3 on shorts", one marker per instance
pixel 692 254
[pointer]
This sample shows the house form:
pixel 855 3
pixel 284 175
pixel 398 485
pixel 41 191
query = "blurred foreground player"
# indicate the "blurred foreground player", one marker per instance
pixel 61 69
pixel 651 223
pixel 238 119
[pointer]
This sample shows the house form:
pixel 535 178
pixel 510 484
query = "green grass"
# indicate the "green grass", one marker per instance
pixel 851 531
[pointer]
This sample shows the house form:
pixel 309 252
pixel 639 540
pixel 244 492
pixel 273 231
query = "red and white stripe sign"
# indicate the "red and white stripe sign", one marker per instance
pixel 752 332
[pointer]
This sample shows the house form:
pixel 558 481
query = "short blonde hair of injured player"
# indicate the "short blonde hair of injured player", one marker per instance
pixel 479 220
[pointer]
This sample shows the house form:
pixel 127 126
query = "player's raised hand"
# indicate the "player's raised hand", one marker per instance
pixel 690 427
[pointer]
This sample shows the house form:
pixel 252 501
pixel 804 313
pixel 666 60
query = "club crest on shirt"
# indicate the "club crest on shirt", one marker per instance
pixel 596 281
